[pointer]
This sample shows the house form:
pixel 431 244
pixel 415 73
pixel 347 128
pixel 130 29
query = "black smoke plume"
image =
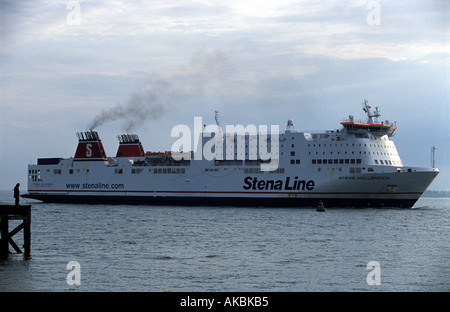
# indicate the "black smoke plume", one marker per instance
pixel 138 108
pixel 207 73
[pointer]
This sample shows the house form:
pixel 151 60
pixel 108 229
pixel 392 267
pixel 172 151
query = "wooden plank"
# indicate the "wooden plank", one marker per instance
pixel 16 248
pixel 21 210
pixel 17 229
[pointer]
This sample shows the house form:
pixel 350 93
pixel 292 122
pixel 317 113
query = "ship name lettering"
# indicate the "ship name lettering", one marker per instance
pixel 253 183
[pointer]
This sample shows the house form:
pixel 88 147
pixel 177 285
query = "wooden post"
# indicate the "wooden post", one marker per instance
pixel 27 234
pixel 10 212
pixel 4 250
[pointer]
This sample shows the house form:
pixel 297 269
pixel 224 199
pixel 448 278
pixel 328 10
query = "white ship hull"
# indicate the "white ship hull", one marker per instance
pixel 386 189
pixel 340 168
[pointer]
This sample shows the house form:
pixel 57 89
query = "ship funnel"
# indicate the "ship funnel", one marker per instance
pixel 90 147
pixel 129 146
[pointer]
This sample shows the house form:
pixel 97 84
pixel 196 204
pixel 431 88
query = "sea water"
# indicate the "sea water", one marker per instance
pixel 219 249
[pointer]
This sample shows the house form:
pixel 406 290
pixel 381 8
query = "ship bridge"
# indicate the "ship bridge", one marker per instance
pixel 372 126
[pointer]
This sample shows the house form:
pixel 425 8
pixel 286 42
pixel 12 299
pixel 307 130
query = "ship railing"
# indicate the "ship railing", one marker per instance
pixel 376 122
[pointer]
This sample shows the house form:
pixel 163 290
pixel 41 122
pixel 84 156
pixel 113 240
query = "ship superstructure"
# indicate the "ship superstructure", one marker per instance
pixel 356 165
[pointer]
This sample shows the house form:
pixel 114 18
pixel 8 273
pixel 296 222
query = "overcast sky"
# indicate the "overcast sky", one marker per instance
pixel 145 66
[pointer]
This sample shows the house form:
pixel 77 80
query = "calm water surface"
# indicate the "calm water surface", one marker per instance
pixel 155 248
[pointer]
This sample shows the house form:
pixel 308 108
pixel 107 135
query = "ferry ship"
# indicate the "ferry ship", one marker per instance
pixel 354 165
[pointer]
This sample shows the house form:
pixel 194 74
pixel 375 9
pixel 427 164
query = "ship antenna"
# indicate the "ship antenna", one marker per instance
pixel 370 115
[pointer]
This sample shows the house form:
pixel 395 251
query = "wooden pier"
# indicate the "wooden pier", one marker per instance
pixel 11 212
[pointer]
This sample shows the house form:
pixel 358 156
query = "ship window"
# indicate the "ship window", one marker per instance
pixel 118 171
pixel 70 171
pixel 314 161
pixel 292 161
pixel 347 161
pixel 358 161
pixel 341 161
pixel 297 161
pixel 352 161
pixel 376 162
pixel 292 153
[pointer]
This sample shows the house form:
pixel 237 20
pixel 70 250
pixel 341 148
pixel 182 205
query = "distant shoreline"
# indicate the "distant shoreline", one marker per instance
pixel 435 194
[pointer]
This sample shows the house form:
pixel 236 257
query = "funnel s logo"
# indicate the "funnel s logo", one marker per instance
pixel 88 150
